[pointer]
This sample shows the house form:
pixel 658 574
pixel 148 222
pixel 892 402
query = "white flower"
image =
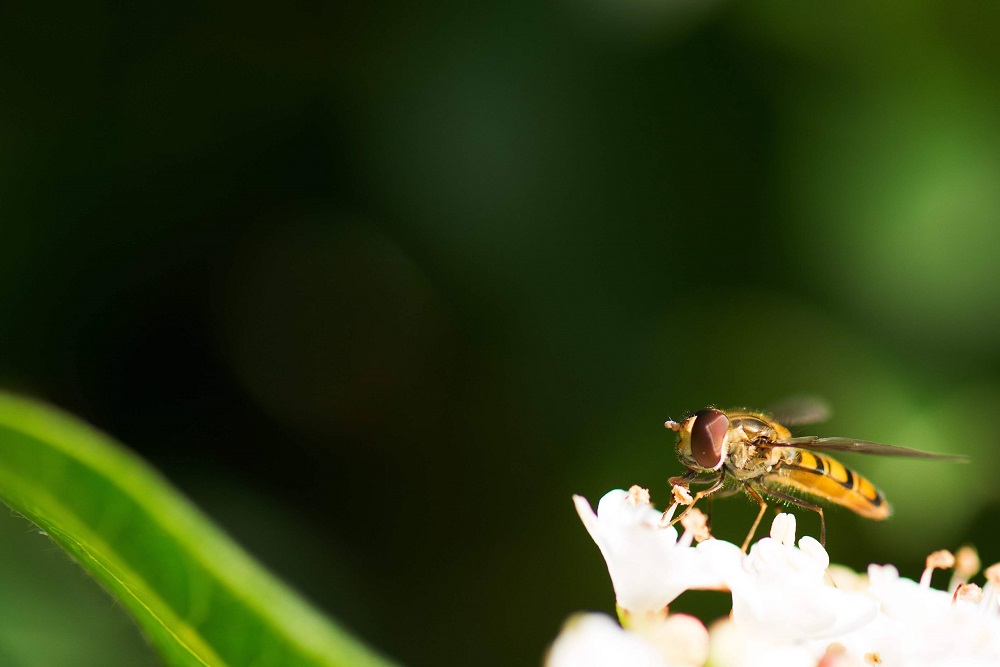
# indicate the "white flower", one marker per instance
pixel 790 608
pixel 733 645
pixel 682 638
pixel 922 627
pixel 781 592
pixel 594 640
pixel 649 564
pixel 902 598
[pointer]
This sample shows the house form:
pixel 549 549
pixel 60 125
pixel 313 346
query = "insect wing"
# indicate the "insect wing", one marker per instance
pixel 799 411
pixel 863 447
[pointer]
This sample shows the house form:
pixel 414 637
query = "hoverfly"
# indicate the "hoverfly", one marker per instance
pixel 763 458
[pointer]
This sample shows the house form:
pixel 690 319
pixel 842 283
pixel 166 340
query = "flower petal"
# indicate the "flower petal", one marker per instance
pixel 649 567
pixel 781 591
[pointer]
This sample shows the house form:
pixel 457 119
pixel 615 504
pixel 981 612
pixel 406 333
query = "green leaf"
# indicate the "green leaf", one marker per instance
pixel 200 598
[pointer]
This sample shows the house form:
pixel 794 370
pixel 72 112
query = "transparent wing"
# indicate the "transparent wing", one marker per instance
pixel 863 447
pixel 799 410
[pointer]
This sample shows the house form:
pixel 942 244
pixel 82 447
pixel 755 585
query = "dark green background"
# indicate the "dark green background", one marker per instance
pixel 381 285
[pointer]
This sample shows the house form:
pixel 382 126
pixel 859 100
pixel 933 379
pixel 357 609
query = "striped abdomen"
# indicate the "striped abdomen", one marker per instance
pixel 818 475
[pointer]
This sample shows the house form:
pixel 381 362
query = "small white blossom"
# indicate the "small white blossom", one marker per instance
pixel 594 640
pixel 650 565
pixel 922 627
pixel 681 638
pixel 781 592
pixel 733 645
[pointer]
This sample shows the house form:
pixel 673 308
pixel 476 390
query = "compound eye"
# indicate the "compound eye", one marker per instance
pixel 707 435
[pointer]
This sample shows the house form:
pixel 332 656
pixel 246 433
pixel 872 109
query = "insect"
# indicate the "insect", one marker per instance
pixel 762 457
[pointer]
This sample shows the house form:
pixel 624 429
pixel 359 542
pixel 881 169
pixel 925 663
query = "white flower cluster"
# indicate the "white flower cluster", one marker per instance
pixel 790 607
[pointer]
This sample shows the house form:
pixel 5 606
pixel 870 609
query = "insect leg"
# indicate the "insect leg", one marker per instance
pixel 701 494
pixel 683 480
pixel 798 502
pixel 760 515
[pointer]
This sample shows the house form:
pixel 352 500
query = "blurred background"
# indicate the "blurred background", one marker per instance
pixel 381 285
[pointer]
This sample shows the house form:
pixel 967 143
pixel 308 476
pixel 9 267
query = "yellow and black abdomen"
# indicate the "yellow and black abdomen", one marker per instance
pixel 818 475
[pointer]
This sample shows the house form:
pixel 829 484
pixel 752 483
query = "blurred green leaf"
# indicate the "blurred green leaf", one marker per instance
pixel 199 597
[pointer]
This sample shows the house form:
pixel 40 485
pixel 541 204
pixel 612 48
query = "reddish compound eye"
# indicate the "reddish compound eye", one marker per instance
pixel 707 435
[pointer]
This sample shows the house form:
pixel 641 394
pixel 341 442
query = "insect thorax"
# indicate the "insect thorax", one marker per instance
pixel 749 456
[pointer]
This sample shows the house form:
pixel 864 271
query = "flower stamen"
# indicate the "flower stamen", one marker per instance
pixel 939 560
pixel 695 525
pixel 682 496
pixel 967 564
pixel 637 495
pixel 668 516
pixel 989 602
pixel 967 593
